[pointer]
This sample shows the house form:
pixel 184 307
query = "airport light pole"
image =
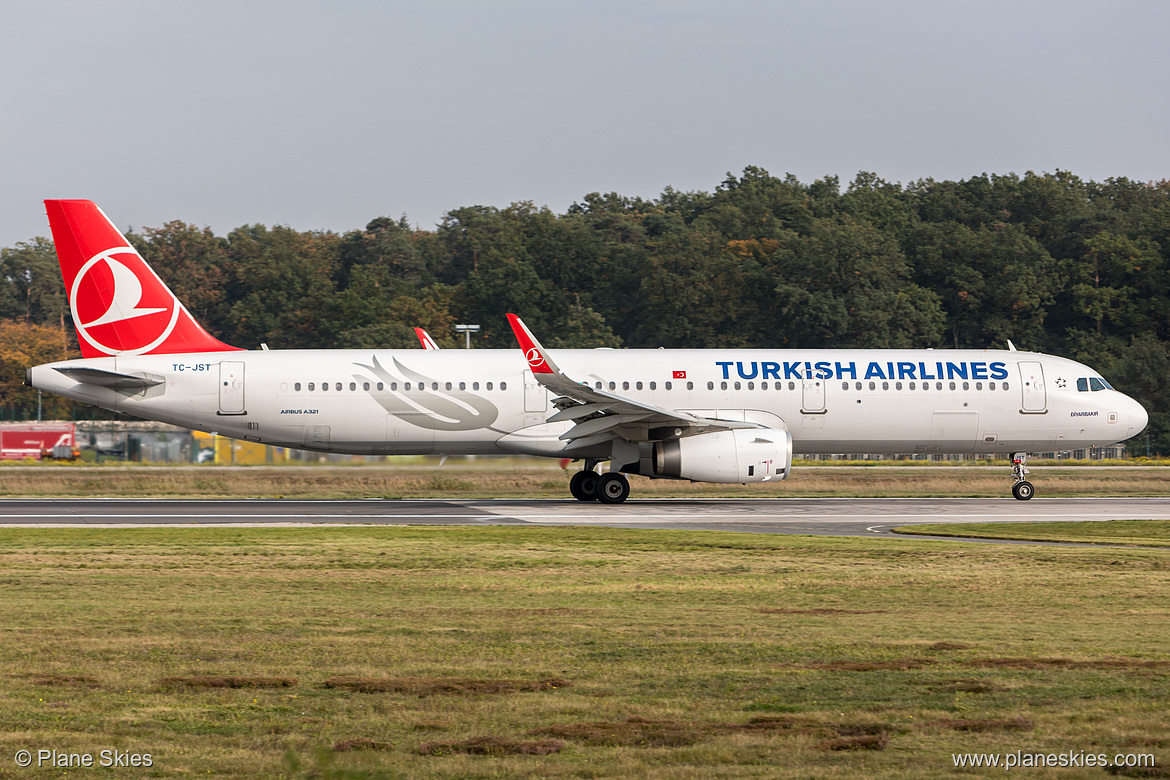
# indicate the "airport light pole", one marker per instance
pixel 467 330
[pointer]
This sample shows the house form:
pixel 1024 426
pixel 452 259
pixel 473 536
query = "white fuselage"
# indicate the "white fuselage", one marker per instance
pixel 486 401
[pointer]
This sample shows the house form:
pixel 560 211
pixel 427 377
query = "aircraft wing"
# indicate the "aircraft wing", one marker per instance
pixel 601 416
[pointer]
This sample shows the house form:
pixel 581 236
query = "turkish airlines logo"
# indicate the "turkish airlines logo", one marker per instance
pixel 534 358
pixel 119 306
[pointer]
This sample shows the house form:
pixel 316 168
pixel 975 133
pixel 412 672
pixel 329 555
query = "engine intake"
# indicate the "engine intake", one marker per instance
pixel 735 456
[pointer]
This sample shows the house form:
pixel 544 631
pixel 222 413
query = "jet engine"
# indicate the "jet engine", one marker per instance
pixel 738 455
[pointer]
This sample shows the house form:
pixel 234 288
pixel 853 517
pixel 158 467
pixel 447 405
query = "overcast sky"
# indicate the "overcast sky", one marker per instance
pixel 326 115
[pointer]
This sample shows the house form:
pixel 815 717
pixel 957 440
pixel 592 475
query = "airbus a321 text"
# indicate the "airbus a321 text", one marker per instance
pixel 706 415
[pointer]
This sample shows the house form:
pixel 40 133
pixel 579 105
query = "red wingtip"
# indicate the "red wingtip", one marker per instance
pixel 119 305
pixel 533 351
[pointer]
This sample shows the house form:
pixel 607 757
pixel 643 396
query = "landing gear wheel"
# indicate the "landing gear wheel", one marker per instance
pixel 1023 490
pixel 613 488
pixel 583 485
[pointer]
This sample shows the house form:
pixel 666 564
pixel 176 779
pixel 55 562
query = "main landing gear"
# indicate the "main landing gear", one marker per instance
pixel 1023 489
pixel 609 488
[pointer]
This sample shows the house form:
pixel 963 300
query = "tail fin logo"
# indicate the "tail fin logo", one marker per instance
pixel 119 306
pixel 534 358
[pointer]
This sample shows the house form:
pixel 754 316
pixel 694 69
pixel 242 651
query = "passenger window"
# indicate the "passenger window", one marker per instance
pixel 448 385
pixel 625 385
pixel 365 385
pixel 353 385
pixel 337 387
pixel 638 386
pixel 489 385
pixel 297 386
pixel 737 385
pixel 1096 384
pixel 873 385
pixel 710 385
pixel 844 385
pixel 938 385
pixel 462 385
pixel 722 385
pixel 751 385
pixel 792 385
pixel 380 386
pixel 434 385
pixel 406 385
pixel 1005 387
pixel 503 385
pixel 324 385
pixel 966 385
pixel 1082 385
pixel 885 385
pixel 978 385
pixel 898 386
pixel 763 385
pixel 653 386
pixel 859 385
pixel 475 385
pixel 691 385
pixel 599 385
pixel 952 385
pixel 912 386
pixel 991 385
pixel 667 385
pixel 613 386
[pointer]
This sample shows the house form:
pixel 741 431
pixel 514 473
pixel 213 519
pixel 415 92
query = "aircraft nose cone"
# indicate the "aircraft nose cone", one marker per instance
pixel 1138 417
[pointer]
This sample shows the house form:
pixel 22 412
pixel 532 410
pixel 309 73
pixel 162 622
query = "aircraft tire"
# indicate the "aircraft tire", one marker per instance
pixel 583 485
pixel 613 488
pixel 1023 490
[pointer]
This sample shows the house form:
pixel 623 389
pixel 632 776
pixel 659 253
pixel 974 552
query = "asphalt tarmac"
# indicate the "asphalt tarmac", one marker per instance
pixel 815 516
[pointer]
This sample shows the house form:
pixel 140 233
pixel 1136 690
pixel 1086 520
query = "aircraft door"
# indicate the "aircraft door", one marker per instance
pixel 231 387
pixel 535 394
pixel 813 398
pixel 1035 397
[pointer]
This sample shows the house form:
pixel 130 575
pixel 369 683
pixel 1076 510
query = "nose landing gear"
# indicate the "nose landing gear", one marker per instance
pixel 1023 489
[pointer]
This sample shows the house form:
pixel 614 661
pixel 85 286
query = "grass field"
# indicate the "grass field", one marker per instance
pixel 1140 533
pixel 573 653
pixel 490 479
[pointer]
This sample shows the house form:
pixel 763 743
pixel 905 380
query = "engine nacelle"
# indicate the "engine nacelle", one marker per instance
pixel 738 455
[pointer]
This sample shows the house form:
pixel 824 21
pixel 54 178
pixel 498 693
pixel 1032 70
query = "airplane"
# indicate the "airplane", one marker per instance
pixel 724 415
pixel 425 339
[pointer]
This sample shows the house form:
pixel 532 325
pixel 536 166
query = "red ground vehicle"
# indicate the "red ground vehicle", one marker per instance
pixel 56 440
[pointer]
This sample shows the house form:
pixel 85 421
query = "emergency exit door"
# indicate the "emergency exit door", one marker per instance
pixel 813 396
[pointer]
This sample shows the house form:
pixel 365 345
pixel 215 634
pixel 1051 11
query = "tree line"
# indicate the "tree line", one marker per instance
pixel 1053 262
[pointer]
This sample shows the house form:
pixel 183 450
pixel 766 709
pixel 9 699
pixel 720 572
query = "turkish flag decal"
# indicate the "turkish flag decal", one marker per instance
pixel 680 375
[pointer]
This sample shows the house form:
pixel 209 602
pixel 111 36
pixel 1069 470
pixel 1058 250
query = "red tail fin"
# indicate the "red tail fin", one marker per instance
pixel 119 305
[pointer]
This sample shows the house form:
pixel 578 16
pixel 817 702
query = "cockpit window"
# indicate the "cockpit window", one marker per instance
pixel 1092 384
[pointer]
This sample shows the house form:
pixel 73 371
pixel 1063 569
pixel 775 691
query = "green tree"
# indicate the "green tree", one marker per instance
pixel 847 284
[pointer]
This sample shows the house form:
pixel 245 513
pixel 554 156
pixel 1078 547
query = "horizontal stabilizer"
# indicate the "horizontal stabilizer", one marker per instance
pixel 112 379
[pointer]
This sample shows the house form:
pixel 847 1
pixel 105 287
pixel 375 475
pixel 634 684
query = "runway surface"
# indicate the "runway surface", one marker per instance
pixel 818 516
